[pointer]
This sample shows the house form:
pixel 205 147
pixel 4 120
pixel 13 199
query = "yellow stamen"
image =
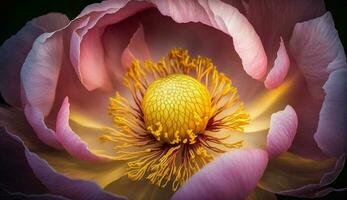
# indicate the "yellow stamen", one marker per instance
pixel 177 105
pixel 171 129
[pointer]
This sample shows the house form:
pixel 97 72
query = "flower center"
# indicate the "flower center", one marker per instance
pixel 172 124
pixel 176 108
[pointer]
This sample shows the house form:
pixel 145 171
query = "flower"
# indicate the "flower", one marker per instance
pixel 196 99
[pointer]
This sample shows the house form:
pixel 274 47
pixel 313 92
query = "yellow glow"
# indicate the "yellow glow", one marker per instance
pixel 176 108
pixel 263 103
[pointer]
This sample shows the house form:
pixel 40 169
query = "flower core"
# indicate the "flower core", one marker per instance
pixel 179 117
pixel 176 108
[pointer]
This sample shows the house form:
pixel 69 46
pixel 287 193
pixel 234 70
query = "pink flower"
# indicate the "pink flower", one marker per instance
pixel 284 111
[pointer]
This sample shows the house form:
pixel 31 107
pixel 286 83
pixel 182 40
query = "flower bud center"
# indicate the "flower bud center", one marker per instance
pixel 176 108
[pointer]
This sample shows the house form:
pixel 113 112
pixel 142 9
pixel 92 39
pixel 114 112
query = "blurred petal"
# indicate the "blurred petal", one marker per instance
pixel 227 19
pixel 72 142
pixel 136 49
pixel 331 135
pixel 290 171
pixel 15 50
pixel 280 69
pixel 15 121
pixel 60 184
pixel 260 194
pixel 282 131
pixel 320 189
pixel 18 195
pixel 231 176
pixel 14 169
pixel 144 189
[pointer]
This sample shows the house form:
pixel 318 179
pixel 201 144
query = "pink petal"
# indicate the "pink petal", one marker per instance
pixel 86 51
pixel 224 18
pixel 273 20
pixel 317 49
pixel 36 120
pixel 331 135
pixel 280 69
pixel 231 176
pixel 136 49
pixel 14 51
pixel 39 76
pixel 72 142
pixel 282 131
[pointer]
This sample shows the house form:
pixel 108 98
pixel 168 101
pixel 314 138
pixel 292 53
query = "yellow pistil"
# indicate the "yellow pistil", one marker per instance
pixel 176 108
pixel 171 129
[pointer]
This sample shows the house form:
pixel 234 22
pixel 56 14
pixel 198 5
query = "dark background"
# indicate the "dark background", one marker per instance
pixel 14 14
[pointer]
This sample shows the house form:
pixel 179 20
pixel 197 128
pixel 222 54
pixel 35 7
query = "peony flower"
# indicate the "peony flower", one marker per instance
pixel 196 99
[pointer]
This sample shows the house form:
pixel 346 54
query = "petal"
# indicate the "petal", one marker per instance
pixel 86 49
pixel 320 189
pixel 282 131
pixel 39 76
pixel 317 49
pixel 278 19
pixel 144 189
pixel 260 194
pixel 231 176
pixel 136 49
pixel 14 51
pixel 72 142
pixel 57 183
pixel 15 121
pixel 280 69
pixel 298 176
pixel 331 135
pixel 227 19
pixel 36 119
pixel 14 164
pixel 62 185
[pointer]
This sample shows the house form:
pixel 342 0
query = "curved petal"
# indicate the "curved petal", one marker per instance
pixel 331 135
pixel 39 76
pixel 278 19
pixel 320 189
pixel 86 50
pixel 60 184
pixel 136 49
pixel 13 164
pixel 282 131
pixel 15 121
pixel 144 189
pixel 260 194
pixel 280 69
pixel 231 176
pixel 37 122
pixel 317 50
pixel 15 49
pixel 72 142
pixel 290 171
pixel 224 18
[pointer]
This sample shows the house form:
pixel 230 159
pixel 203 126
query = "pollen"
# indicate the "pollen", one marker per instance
pixel 179 116
pixel 176 108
